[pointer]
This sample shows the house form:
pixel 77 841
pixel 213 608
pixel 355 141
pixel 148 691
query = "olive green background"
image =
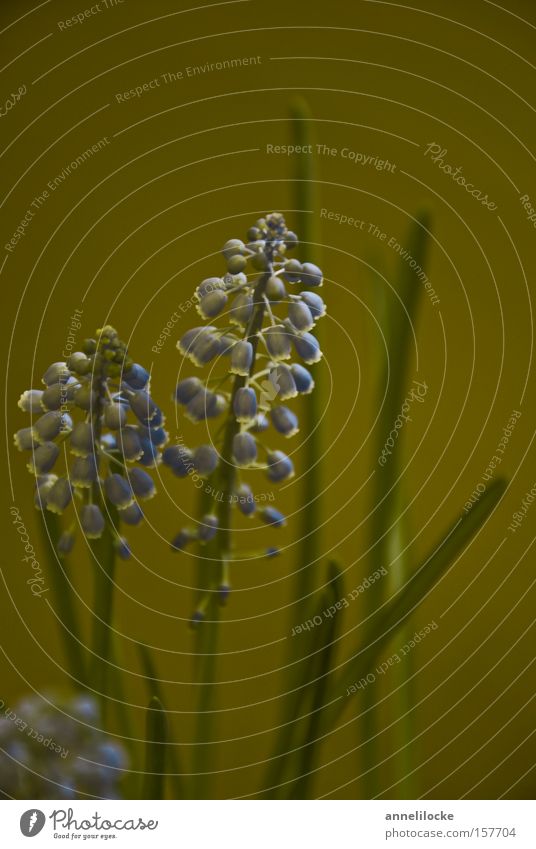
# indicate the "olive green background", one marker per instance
pixel 133 230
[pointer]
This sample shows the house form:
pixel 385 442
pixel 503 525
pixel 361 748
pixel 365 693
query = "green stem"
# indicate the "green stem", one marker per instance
pixel 156 751
pixel 64 599
pixel 313 404
pixel 223 481
pixel 103 550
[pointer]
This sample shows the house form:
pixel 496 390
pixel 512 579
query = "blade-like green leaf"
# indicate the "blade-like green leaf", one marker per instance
pixel 393 615
pixel 327 642
pixel 154 688
pixel 155 751
pixel 397 317
pixel 305 679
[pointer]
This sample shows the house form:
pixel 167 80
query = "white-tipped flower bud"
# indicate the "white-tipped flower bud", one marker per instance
pixel 300 315
pixel 244 449
pixel 241 358
pixel 245 405
pixel 278 342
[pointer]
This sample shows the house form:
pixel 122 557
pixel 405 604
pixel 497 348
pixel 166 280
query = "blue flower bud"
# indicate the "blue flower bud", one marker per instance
pixel 197 618
pixel 79 363
pixel 284 421
pixel 271 516
pixel 84 471
pixel 205 459
pixel 244 499
pixel 303 379
pixel 307 348
pixel 56 373
pixel 179 459
pixel 149 456
pixel 85 398
pixel 208 527
pixel 24 439
pixel 43 458
pixel 111 755
pixel 30 401
pixel 233 247
pixel 157 436
pixel 260 424
pixel 283 382
pixel 278 339
pixel 259 260
pixel 275 289
pixel 224 590
pixel 236 264
pixel 183 538
pixel 49 426
pixel 300 316
pixel 129 443
pixel 85 707
pixel 291 240
pixel 122 547
pixel 115 416
pixel 132 515
pixel 273 551
pixel 65 543
pixel 293 270
pixel 204 349
pixel 315 303
pixel 210 284
pixel 311 274
pixel 81 439
pixel 54 397
pixel 118 491
pixel 245 404
pixel 186 389
pixel 59 496
pixel 137 377
pixel 187 341
pixel 241 358
pixel 212 304
pixel 205 405
pixel 92 521
pixel 242 309
pixel 227 343
pixel 280 466
pixel 142 483
pixel 43 485
pixel 244 449
pixel 143 406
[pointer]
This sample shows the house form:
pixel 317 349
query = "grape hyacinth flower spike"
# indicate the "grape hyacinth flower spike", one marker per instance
pixel 97 405
pixel 267 313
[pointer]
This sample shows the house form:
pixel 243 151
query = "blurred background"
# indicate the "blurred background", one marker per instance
pixel 126 237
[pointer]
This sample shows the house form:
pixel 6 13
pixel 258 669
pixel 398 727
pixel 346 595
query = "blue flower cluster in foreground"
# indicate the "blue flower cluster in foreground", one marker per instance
pixel 96 410
pixel 55 750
